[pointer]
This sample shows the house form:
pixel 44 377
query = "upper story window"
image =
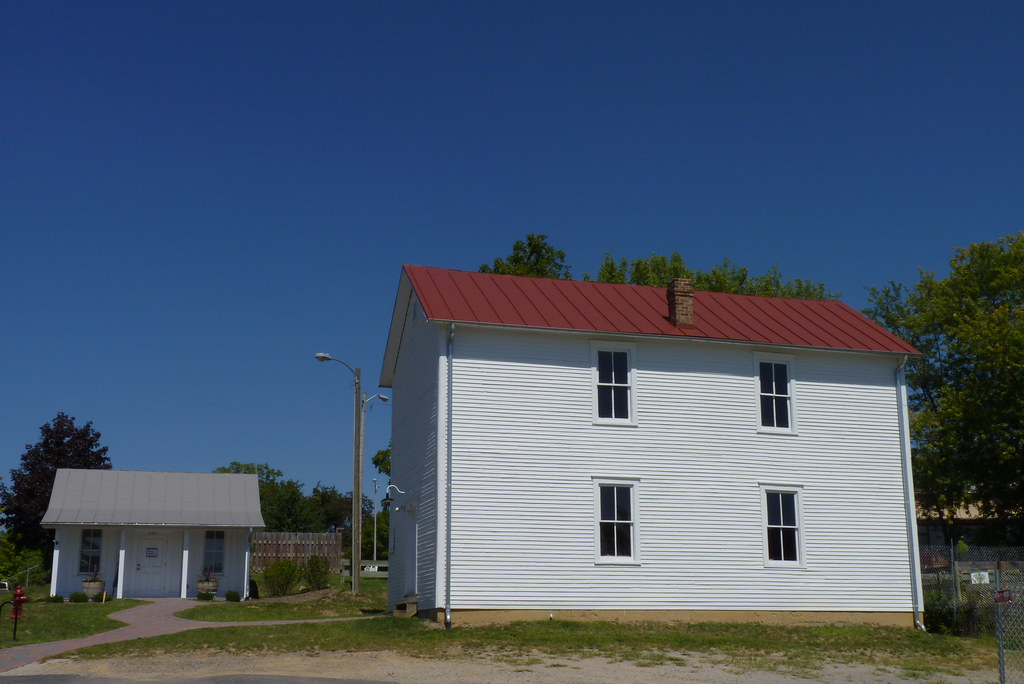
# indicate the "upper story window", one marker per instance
pixel 775 394
pixel 89 553
pixel 614 384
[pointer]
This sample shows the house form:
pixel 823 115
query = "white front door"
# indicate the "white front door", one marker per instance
pixel 151 560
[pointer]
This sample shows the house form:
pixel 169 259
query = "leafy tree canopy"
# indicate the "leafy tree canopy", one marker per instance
pixel 264 472
pixel 531 257
pixel 967 390
pixel 284 505
pixel 62 444
pixel 658 270
pixel 537 258
pixel 382 461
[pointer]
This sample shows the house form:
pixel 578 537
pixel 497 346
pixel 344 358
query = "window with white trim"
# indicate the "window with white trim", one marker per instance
pixel 775 394
pixel 614 387
pixel 782 526
pixel 89 552
pixel 616 524
pixel 213 552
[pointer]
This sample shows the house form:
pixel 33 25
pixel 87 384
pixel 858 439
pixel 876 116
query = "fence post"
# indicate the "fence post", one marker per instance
pixel 954 578
pixel 999 628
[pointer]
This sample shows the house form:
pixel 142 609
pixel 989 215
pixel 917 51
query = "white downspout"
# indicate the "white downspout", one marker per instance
pixel 448 488
pixel 908 491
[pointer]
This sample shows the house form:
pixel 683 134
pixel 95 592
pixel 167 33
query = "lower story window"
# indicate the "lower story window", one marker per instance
pixel 213 552
pixel 615 527
pixel 89 556
pixel 783 526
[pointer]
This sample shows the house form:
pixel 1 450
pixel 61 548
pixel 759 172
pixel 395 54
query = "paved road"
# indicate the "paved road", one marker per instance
pixel 152 619
pixel 219 679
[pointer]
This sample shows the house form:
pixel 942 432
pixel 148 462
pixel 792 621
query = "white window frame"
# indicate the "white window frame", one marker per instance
pixel 207 551
pixel 790 364
pixel 630 351
pixel 633 485
pixel 94 532
pixel 797 492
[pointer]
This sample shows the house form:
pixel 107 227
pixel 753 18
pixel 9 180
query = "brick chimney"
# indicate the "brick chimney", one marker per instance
pixel 680 302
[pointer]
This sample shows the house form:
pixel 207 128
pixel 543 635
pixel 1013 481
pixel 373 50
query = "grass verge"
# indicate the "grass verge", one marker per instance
pixel 57 621
pixel 744 647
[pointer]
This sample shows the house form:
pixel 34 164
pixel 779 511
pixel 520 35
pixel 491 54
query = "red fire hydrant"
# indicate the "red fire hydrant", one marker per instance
pixel 17 602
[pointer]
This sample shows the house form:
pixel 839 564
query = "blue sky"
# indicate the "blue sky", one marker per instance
pixel 197 197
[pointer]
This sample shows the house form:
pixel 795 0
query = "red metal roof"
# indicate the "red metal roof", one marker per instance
pixel 470 297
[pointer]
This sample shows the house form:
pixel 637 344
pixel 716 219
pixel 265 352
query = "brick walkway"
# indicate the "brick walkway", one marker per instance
pixel 152 619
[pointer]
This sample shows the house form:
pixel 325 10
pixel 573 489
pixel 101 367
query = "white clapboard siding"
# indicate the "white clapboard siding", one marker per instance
pixel 526 450
pixel 414 461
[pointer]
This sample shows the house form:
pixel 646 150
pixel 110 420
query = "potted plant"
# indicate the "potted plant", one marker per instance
pixel 93 584
pixel 207 583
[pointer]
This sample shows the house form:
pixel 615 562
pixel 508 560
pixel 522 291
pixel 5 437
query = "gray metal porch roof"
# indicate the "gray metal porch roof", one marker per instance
pixel 136 497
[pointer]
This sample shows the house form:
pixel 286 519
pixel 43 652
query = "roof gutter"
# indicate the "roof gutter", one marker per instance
pixel 908 491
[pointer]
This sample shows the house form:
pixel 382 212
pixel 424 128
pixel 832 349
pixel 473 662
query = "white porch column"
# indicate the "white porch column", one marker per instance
pixel 120 563
pixel 249 564
pixel 184 564
pixel 56 562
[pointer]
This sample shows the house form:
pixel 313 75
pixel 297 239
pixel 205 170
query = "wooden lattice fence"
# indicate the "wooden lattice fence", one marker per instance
pixel 270 547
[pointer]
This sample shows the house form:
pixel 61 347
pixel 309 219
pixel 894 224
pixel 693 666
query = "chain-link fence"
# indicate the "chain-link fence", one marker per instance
pixel 976 590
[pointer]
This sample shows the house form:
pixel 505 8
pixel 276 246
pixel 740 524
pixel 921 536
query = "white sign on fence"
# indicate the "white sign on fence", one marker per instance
pixel 979 577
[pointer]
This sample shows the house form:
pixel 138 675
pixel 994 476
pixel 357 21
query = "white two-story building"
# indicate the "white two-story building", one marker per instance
pixel 580 449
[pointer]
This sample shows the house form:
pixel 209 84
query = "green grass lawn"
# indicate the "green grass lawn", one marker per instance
pixel 371 599
pixel 56 621
pixel 747 647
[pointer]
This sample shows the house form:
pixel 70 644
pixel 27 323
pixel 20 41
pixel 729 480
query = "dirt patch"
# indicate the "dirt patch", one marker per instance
pixel 385 666
pixel 304 597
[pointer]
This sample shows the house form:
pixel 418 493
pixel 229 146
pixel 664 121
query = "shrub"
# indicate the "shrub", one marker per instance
pixel 938 612
pixel 56 598
pixel 232 596
pixel 78 597
pixel 317 571
pixel 280 577
pixel 205 596
pixel 98 598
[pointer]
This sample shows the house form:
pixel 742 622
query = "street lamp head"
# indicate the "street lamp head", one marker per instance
pixel 321 356
pixel 385 399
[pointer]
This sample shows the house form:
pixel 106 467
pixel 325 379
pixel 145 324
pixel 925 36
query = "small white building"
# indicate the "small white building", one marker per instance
pixel 574 449
pixel 149 534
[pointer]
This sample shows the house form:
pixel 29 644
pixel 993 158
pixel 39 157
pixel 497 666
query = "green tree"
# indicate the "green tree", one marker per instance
pixel 287 508
pixel 967 390
pixel 659 270
pixel 382 461
pixel 263 471
pixel 531 257
pixel 62 444
pixel 334 509
pixel 14 560
pixel 284 505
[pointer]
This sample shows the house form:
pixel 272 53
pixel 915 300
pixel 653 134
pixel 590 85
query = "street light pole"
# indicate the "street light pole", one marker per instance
pixel 357 468
pixel 358 431
pixel 357 485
